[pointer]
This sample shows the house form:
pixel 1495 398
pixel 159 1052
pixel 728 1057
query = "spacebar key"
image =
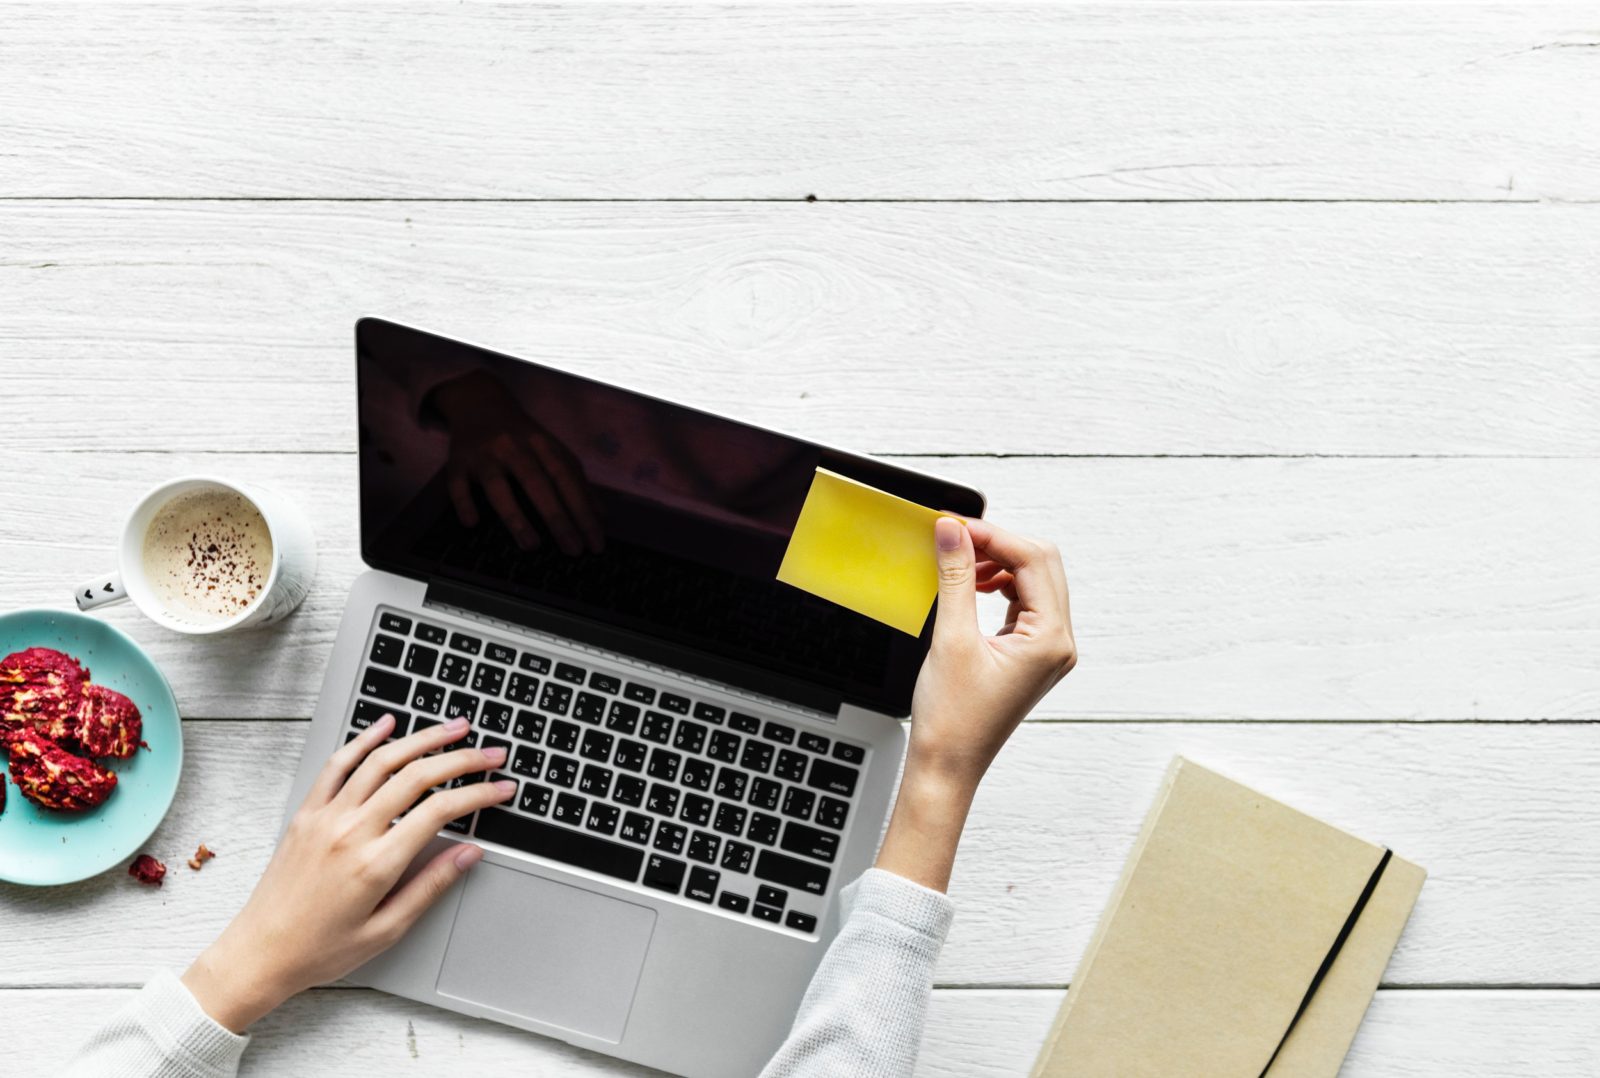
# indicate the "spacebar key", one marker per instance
pixel 559 844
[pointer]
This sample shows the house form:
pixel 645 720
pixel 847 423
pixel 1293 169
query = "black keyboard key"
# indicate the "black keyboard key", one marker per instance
pixel 731 784
pixel 464 743
pixel 596 781
pixel 813 742
pixel 387 650
pixel 629 790
pixel 535 798
pixel 462 705
pixel 766 913
pixel 777 731
pixel 555 698
pixel 430 634
pixel 832 777
pixel 635 828
pixel 643 694
pixel 589 708
pixel 663 799
pixel 831 812
pixel 764 793
pixel 368 713
pixel 460 825
pixel 522 689
pixel 383 685
pixel 745 724
pixel 394 623
pixel 673 702
pixel 495 717
pixel 561 770
pixel 429 698
pixel 798 838
pixel 596 746
pixel 602 818
pixel 757 756
pixel 697 774
pixel 664 873
pixel 420 660
pixel 529 727
pixel 736 856
pixel 471 645
pixel 850 754
pixel 422 724
pixel 703 847
pixel 702 884
pixel 797 803
pixel 803 922
pixel 670 837
pixel 501 654
pixel 456 669
pixel 791 765
pixel 657 727
pixel 630 754
pixel 710 713
pixel 772 896
pixel 791 872
pixel 664 765
pixel 691 736
pixel 723 746
pixel 534 663
pixel 569 809
pixel 730 820
pixel 559 844
pixel 495 743
pixel 730 901
pixel 607 683
pixel 488 679
pixel 623 718
pixel 763 829
pixel 563 736
pixel 567 672
pixel 696 810
pixel 528 761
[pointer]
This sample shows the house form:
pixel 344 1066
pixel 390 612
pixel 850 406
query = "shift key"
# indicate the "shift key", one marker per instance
pixel 383 685
pixel 792 872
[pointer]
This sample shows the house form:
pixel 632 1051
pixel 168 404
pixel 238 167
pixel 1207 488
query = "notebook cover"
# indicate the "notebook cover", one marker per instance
pixel 1226 912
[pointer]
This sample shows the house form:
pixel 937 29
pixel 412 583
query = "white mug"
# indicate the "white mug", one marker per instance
pixel 294 560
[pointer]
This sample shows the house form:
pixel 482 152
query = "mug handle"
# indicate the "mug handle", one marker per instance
pixel 99 591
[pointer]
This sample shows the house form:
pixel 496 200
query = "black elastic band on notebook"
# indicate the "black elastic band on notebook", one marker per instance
pixel 1333 952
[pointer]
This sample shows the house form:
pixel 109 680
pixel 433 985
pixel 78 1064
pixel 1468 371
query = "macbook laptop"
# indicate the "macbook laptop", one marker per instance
pixel 704 756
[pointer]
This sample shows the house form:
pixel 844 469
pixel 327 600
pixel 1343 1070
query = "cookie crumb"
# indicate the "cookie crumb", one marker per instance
pixel 147 869
pixel 201 856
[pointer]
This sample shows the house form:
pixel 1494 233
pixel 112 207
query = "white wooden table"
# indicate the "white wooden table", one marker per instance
pixel 1283 320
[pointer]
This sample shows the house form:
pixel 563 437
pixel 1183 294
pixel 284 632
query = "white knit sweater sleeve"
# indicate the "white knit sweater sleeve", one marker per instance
pixel 160 1033
pixel 864 1012
pixel 862 1015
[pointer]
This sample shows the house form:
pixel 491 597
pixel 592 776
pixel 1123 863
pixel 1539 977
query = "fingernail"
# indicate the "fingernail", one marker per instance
pixel 467 856
pixel 495 754
pixel 947 533
pixel 505 786
pixel 456 724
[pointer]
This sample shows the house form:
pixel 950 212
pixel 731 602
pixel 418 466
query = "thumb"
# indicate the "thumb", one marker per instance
pixel 411 900
pixel 958 580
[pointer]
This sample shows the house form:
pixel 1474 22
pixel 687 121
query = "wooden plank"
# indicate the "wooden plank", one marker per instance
pixel 1035 329
pixel 1275 589
pixel 1503 817
pixel 1312 100
pixel 970 1034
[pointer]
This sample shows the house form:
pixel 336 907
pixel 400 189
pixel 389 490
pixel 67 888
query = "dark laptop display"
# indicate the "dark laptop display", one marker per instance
pixel 617 510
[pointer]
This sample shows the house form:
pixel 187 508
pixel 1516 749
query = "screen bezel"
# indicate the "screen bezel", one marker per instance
pixel 742 674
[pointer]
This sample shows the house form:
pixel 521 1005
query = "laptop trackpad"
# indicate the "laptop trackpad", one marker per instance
pixel 546 951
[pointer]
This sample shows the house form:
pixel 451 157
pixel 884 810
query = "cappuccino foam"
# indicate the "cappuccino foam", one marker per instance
pixel 207 555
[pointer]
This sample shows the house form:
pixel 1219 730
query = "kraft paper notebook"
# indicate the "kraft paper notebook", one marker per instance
pixel 1244 940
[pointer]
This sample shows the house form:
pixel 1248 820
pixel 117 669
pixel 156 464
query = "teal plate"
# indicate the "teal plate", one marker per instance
pixel 38 846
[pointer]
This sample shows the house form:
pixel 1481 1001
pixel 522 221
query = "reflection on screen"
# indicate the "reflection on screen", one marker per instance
pixel 612 506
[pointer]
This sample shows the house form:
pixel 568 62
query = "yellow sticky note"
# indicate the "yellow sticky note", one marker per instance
pixel 866 550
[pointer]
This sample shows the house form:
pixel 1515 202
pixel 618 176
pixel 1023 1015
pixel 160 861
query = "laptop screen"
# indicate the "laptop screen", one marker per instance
pixel 615 509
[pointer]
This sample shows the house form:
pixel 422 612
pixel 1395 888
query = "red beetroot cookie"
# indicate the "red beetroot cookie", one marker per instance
pixel 41 689
pixel 108 723
pixel 51 777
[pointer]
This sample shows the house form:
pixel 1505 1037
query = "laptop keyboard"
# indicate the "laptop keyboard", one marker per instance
pixel 619 775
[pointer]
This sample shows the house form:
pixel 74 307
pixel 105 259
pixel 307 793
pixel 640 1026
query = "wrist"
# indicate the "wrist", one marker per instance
pixel 233 990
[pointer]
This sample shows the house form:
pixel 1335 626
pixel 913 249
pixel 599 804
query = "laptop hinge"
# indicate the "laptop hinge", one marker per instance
pixel 646 649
